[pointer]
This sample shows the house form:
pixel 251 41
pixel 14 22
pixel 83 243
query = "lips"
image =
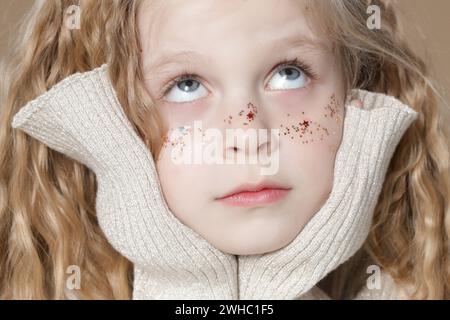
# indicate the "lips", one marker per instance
pixel 249 195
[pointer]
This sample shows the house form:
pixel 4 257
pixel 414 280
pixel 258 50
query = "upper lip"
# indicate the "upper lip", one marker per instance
pixel 252 187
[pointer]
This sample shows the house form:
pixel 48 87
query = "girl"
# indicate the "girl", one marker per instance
pixel 66 208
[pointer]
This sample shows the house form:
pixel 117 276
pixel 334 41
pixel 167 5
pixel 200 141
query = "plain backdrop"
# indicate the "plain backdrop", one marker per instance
pixel 427 25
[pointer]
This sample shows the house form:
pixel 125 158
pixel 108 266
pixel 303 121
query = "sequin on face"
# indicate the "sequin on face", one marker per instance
pixel 247 115
pixel 332 109
pixel 308 130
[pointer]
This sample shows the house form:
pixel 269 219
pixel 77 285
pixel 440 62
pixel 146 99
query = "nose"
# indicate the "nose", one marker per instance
pixel 247 131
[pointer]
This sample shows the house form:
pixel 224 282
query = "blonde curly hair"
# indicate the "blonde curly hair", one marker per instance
pixel 47 201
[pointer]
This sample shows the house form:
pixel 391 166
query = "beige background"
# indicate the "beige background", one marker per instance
pixel 427 24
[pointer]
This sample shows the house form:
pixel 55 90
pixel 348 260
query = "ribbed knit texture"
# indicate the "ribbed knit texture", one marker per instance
pixel 82 118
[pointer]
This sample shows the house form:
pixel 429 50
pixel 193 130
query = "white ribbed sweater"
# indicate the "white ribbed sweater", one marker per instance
pixel 82 118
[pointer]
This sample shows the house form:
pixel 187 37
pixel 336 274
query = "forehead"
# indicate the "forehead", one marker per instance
pixel 210 25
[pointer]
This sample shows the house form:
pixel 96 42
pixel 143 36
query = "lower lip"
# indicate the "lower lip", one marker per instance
pixel 254 198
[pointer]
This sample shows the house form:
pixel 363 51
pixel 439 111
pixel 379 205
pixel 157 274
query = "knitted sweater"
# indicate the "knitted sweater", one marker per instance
pixel 81 117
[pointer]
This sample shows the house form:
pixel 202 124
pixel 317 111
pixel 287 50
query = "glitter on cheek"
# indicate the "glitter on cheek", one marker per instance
pixel 228 120
pixel 332 109
pixel 250 116
pixel 307 130
pixel 302 129
pixel 176 138
pixel 250 113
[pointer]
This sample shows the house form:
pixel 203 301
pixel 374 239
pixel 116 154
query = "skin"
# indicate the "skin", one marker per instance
pixel 239 45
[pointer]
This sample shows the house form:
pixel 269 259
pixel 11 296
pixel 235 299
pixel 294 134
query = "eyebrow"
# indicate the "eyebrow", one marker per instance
pixel 177 57
pixel 189 56
pixel 298 41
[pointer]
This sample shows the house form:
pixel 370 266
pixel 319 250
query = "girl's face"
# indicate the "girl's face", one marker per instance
pixel 251 65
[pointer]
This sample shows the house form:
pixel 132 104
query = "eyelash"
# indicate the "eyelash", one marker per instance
pixel 304 67
pixel 186 75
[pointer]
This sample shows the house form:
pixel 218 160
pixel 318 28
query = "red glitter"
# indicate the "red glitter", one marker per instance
pixel 305 123
pixel 332 106
pixel 252 113
pixel 250 116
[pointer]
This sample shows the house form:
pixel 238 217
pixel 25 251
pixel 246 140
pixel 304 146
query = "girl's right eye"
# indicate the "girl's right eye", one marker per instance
pixel 185 89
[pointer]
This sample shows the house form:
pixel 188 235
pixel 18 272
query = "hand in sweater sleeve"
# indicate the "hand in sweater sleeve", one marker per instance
pixel 340 227
pixel 82 118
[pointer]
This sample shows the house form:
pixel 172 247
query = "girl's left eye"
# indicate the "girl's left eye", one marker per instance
pixel 185 89
pixel 288 78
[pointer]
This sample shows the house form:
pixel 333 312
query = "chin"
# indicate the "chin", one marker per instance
pixel 248 245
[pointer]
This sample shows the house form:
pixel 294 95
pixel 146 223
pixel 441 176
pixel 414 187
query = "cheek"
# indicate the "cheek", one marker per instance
pixel 178 181
pixel 311 169
pixel 176 115
pixel 175 182
pixel 310 135
pixel 312 121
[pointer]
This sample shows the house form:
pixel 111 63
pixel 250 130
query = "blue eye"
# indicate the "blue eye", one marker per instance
pixel 288 78
pixel 185 89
